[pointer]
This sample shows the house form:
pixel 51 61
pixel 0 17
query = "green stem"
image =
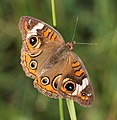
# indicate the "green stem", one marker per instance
pixel 54 24
pixel 61 109
pixel 71 109
pixel 70 103
pixel 53 12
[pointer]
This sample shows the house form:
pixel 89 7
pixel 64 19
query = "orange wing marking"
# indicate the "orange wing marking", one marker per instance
pixel 25 26
pixel 79 73
pixel 53 37
pixel 75 64
pixel 46 33
pixel 47 87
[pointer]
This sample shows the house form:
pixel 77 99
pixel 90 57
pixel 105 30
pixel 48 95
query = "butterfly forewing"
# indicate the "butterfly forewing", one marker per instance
pixel 34 55
pixel 31 26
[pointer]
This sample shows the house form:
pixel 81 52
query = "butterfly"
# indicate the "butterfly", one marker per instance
pixel 57 71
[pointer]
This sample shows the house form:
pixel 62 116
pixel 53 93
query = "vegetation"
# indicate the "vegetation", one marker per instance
pixel 97 24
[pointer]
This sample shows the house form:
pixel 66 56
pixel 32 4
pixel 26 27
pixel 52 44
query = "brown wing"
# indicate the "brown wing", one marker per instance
pixel 47 83
pixel 40 41
pixel 75 83
pixel 69 79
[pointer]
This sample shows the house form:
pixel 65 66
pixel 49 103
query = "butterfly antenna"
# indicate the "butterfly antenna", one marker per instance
pixel 73 36
pixel 86 43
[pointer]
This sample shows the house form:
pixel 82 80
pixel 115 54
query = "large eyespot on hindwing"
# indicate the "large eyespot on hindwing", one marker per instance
pixel 68 86
pixel 55 81
pixel 33 64
pixel 45 80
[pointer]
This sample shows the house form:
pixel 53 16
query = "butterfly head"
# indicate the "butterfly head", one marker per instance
pixel 70 45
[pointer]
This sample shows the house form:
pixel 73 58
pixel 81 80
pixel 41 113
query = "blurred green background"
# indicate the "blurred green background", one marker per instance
pixel 97 23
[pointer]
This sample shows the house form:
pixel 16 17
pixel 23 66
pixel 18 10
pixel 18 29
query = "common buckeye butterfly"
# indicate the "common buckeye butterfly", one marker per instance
pixel 57 71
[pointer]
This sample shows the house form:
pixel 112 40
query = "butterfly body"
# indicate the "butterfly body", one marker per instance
pixel 57 71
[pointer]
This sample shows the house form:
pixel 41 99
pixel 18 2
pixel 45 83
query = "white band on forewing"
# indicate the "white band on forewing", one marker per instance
pixel 33 31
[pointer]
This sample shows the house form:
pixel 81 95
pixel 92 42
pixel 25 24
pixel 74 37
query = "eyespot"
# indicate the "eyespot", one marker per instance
pixel 45 80
pixel 55 81
pixel 69 86
pixel 33 64
pixel 33 41
pixel 55 84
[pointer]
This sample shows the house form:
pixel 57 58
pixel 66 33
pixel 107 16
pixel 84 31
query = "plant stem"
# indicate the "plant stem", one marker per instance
pixel 53 13
pixel 61 109
pixel 54 24
pixel 71 109
pixel 70 103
